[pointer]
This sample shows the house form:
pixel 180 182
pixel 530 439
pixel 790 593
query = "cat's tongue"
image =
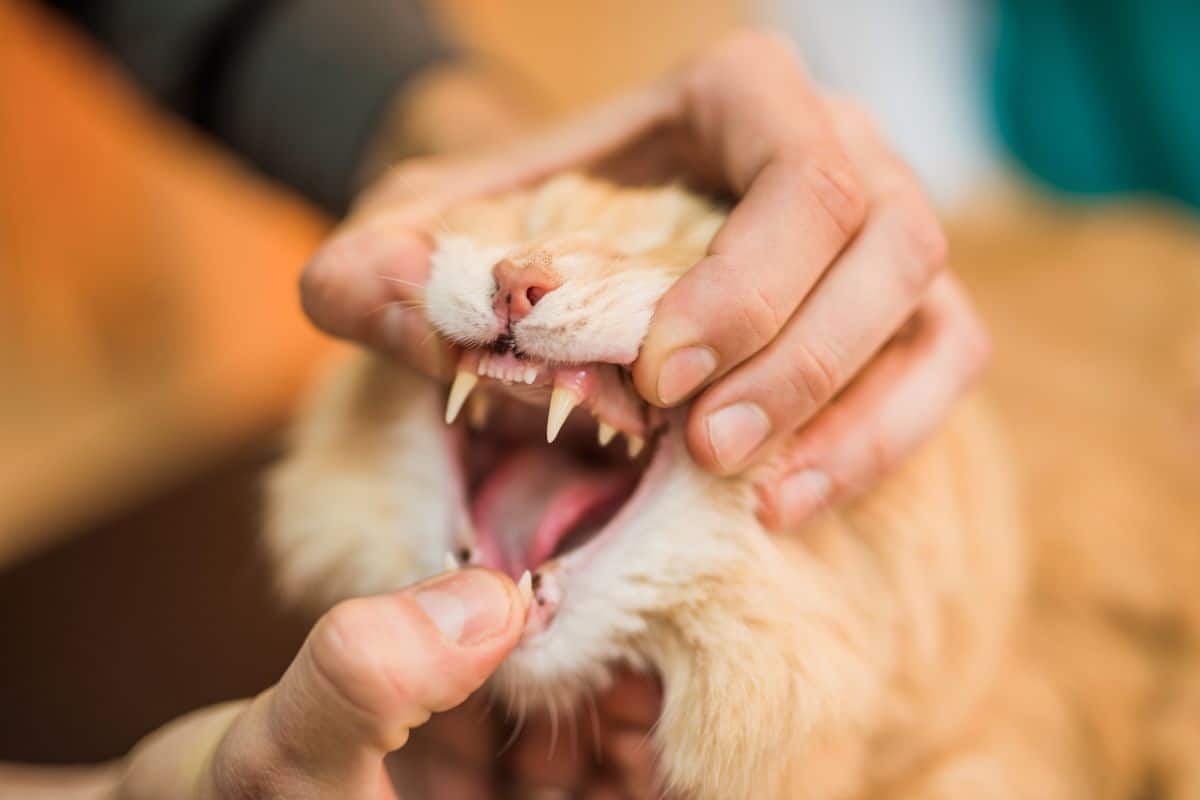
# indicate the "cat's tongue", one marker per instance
pixel 535 499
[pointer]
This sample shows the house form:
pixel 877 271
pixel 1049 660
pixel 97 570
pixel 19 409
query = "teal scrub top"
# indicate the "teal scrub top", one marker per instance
pixel 1097 97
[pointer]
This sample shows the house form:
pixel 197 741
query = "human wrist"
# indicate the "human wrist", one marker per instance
pixel 452 107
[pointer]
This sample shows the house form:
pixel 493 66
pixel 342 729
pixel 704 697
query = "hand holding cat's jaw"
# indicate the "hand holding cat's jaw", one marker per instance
pixel 829 252
pixel 371 670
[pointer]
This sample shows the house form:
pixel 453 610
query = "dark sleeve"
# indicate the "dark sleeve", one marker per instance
pixel 295 86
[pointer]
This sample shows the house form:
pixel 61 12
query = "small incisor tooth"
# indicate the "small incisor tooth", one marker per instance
pixel 478 407
pixel 605 433
pixel 525 589
pixel 562 401
pixel 636 443
pixel 464 382
pixel 530 375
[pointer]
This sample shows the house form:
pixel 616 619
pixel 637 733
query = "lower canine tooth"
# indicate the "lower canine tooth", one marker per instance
pixel 605 434
pixel 464 382
pixel 525 589
pixel 636 443
pixel 562 401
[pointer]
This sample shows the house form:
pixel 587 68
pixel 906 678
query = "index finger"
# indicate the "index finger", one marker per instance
pixel 752 109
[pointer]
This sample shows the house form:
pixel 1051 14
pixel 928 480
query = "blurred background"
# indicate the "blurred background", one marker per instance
pixel 152 346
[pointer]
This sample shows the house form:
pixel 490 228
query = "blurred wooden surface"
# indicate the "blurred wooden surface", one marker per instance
pixel 148 315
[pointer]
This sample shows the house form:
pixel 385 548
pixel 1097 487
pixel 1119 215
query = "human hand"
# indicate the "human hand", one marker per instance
pixel 821 329
pixel 372 670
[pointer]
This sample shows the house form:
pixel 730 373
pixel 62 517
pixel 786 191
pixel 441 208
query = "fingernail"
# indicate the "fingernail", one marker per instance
pixel 683 371
pixel 467 606
pixel 735 431
pixel 801 494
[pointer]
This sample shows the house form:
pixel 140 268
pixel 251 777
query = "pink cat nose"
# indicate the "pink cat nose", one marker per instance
pixel 518 289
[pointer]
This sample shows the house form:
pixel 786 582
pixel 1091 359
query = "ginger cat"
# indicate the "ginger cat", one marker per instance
pixel 892 648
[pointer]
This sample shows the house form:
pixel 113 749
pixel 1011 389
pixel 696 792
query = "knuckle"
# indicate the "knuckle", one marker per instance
pixel 976 343
pixel 755 43
pixel 814 379
pixel 761 318
pixel 738 58
pixel 918 242
pixel 882 455
pixel 852 117
pixel 837 192
pixel 321 286
pixel 343 651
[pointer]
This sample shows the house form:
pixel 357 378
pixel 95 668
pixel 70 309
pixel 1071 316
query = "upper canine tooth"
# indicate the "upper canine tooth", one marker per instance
pixel 530 374
pixel 562 401
pixel 451 562
pixel 464 382
pixel 605 433
pixel 636 443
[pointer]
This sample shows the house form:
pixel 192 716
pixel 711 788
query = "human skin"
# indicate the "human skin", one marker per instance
pixel 821 329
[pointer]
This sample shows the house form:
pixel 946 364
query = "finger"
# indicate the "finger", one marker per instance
pixel 758 116
pixel 871 289
pixel 897 403
pixel 367 285
pixel 375 668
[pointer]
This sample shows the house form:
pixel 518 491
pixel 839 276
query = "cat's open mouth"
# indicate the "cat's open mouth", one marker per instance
pixel 547 490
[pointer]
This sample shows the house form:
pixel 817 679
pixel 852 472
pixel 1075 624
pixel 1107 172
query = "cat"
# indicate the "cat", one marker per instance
pixel 889 649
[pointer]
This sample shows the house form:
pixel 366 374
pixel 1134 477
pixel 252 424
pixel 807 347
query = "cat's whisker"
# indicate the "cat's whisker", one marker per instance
pixel 573 728
pixel 553 706
pixel 594 714
pixel 407 305
pixel 401 281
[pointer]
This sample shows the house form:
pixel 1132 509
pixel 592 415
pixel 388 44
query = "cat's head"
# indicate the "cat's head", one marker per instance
pixel 565 471
pixel 541 457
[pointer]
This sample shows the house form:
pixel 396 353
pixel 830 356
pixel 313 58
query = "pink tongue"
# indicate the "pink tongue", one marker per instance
pixel 533 499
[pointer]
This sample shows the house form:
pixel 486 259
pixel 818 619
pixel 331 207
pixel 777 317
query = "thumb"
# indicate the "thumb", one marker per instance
pixel 375 668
